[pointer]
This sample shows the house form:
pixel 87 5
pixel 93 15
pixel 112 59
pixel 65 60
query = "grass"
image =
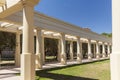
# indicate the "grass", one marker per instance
pixel 90 71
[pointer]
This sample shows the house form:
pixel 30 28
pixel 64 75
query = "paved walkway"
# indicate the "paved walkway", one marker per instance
pixel 10 72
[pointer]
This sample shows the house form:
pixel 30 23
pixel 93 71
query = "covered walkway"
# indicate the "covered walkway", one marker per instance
pixel 18 16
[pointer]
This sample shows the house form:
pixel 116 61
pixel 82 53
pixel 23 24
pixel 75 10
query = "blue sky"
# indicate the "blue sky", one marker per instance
pixel 94 14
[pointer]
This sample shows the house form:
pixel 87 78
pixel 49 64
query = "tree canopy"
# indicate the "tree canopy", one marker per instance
pixel 7 40
pixel 107 34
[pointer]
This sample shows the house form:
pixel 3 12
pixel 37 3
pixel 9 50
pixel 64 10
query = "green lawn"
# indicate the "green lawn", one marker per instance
pixel 90 71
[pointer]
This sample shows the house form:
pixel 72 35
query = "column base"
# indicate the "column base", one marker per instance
pixel 108 55
pixel 104 55
pixel 90 56
pixel 115 66
pixel 97 56
pixel 17 61
pixel 71 57
pixel 38 61
pixel 58 57
pixel 43 59
pixel 79 58
pixel 63 59
pixel 43 62
pixel 27 66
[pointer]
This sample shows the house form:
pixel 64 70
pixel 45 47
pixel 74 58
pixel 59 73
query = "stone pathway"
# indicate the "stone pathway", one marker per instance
pixel 10 72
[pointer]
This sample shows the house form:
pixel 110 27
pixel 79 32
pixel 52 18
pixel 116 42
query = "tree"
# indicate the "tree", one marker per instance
pixel 107 34
pixel 7 40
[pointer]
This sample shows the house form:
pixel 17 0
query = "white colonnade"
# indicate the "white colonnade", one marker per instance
pixel 62 48
pixel 28 58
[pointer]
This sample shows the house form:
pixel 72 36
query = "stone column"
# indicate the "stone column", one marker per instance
pixel 115 56
pixel 97 50
pixel 39 49
pixel 89 50
pixel 43 50
pixel 71 50
pixel 63 54
pixel 81 49
pixel 108 50
pixel 59 49
pixel 103 50
pixel 28 56
pixel 79 55
pixel 17 52
pixel 94 50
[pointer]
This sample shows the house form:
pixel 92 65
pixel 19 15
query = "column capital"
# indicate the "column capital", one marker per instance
pixel 109 44
pixel 39 32
pixel 30 2
pixel 103 42
pixel 18 31
pixel 78 37
pixel 2 2
pixel 97 41
pixel 62 34
pixel 38 29
pixel 89 39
